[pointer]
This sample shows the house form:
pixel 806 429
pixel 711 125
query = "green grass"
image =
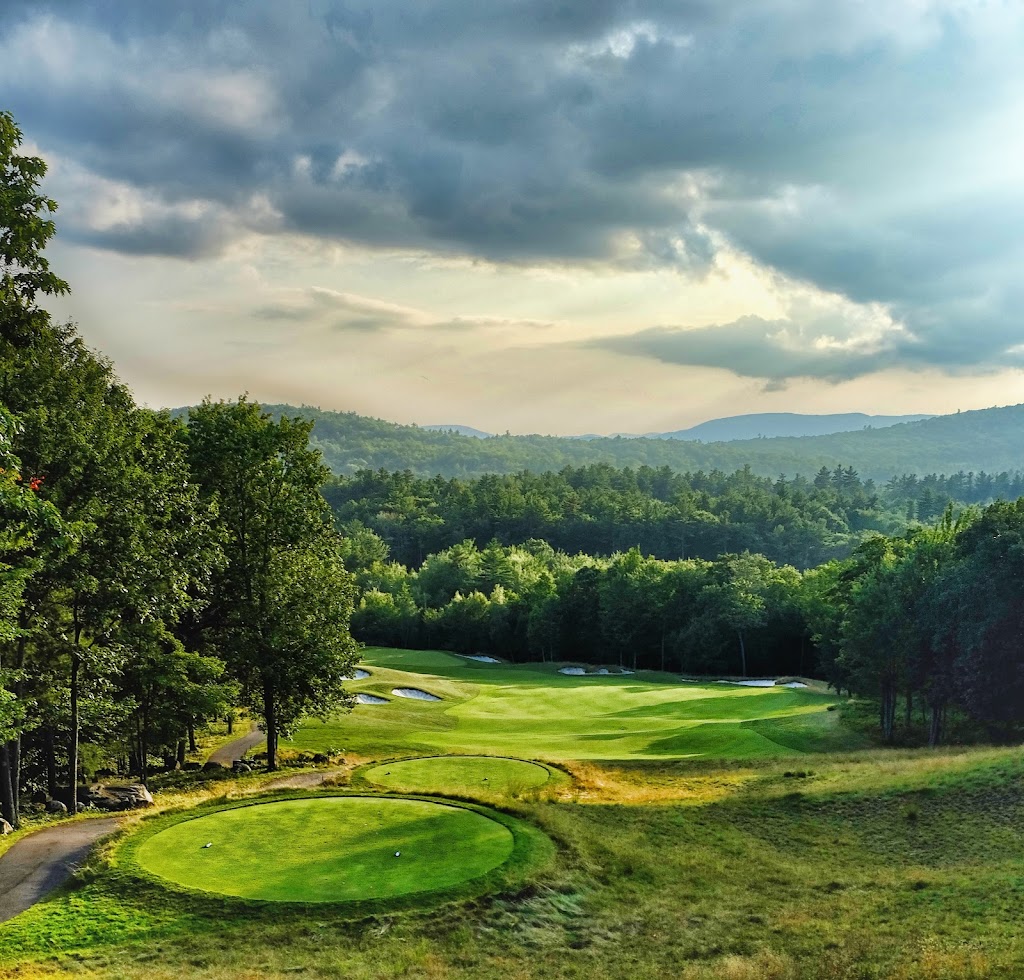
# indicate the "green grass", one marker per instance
pixel 534 712
pixel 460 776
pixel 334 849
pixel 874 865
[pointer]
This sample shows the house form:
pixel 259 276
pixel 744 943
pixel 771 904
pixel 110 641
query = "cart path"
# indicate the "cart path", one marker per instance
pixel 303 780
pixel 38 863
pixel 228 755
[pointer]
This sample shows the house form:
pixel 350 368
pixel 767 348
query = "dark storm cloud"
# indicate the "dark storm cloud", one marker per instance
pixel 782 350
pixel 833 142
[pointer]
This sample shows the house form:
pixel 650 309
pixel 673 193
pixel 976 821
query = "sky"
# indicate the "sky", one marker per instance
pixel 556 216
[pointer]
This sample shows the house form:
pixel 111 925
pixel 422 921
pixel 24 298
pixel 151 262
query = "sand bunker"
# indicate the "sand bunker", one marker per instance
pixel 600 672
pixel 415 693
pixel 760 683
pixel 357 675
pixel 478 656
pixel 370 699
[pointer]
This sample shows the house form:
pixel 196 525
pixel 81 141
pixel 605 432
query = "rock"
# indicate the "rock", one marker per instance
pixel 132 797
pixel 39 798
pixel 5 828
pixel 80 807
pixel 239 766
pixel 55 806
pixel 192 767
pixel 320 759
pixel 212 767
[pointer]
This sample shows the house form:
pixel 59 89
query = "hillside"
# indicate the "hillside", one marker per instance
pixel 990 439
pixel 773 424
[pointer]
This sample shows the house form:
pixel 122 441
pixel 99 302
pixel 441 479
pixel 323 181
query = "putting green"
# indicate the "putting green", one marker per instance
pixel 333 849
pixel 467 775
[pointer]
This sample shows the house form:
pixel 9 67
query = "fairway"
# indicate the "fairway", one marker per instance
pixel 535 712
pixel 333 849
pixel 464 775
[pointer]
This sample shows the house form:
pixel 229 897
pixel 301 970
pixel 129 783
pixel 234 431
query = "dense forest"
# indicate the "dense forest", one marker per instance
pixel 931 618
pixel 598 510
pixel 990 440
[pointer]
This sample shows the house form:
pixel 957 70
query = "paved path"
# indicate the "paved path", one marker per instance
pixel 228 755
pixel 302 780
pixel 38 863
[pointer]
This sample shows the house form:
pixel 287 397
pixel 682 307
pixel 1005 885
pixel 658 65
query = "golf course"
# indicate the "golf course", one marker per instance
pixel 537 712
pixel 536 823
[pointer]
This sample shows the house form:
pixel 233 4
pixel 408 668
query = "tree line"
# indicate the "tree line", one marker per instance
pixel 599 510
pixel 152 574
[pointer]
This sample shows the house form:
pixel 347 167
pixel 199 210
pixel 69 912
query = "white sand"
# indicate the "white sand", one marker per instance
pixel 357 675
pixel 370 699
pixel 413 692
pixel 758 683
pixel 478 656
pixel 600 672
pixel 793 684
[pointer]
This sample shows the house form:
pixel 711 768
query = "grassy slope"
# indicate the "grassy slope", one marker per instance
pixel 488 708
pixel 878 864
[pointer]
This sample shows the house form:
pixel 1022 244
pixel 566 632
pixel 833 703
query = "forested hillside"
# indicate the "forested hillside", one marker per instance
pixel 989 440
pixel 598 510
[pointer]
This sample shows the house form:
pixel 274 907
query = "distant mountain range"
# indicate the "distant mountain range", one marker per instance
pixel 767 425
pixel 773 425
pixel 991 439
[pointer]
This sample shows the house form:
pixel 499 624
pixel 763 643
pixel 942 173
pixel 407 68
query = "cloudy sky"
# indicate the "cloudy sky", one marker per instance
pixel 543 215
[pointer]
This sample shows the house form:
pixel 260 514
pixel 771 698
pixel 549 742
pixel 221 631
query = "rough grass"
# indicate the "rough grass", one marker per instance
pixel 535 712
pixel 906 865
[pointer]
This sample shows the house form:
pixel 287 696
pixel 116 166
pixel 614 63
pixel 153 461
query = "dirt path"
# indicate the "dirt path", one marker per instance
pixel 37 864
pixel 228 755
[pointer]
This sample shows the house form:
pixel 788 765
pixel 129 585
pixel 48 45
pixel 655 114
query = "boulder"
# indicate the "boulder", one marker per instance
pixel 39 798
pixel 131 797
pixel 212 767
pixel 5 828
pixel 320 759
pixel 239 766
pixel 55 806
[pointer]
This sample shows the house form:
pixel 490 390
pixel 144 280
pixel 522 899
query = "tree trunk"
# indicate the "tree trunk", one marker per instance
pixel 231 722
pixel 270 710
pixel 743 653
pixel 14 748
pixel 180 757
pixel 50 750
pixel 192 737
pixel 76 664
pixel 910 709
pixel 6 789
pixel 888 711
pixel 935 728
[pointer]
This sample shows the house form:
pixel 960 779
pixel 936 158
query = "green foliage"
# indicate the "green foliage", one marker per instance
pixel 281 601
